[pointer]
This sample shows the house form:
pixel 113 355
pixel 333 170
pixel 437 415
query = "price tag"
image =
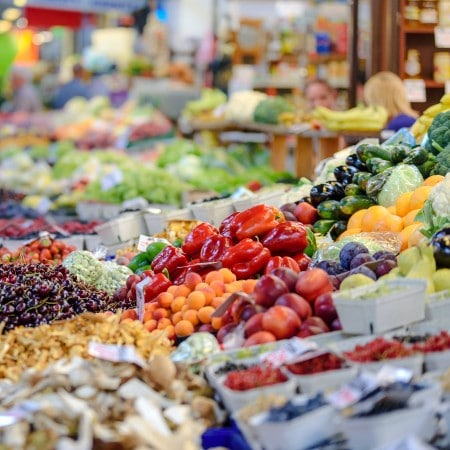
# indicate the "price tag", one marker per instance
pixel 115 353
pixel 415 90
pixel 290 351
pixel 111 179
pixel 145 241
pixel 355 390
pixel 389 374
pixel 140 300
pixel 442 37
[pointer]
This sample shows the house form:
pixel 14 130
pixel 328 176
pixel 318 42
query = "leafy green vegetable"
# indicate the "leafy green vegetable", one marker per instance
pixel 439 133
pixel 442 162
pixel 176 150
pixel 268 110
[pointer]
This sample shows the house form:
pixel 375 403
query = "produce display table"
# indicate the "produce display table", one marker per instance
pixel 311 146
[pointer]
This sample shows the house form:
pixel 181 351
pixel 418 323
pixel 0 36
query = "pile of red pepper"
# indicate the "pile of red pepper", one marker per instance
pixel 249 243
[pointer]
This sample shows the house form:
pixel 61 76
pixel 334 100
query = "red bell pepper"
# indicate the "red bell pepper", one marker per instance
pixel 194 240
pixel 170 258
pixel 158 283
pixel 303 261
pixel 246 259
pixel 197 266
pixel 228 227
pixel 281 261
pixel 257 221
pixel 215 247
pixel 286 238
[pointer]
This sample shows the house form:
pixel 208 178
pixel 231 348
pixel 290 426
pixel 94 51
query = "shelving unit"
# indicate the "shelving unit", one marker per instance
pixel 420 37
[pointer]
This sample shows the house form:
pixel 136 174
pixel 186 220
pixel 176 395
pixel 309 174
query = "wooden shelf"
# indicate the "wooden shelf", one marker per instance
pixel 421 29
pixel 318 59
pixel 434 84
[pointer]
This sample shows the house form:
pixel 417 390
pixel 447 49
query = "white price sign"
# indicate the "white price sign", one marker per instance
pixel 115 353
pixel 415 90
pixel 140 299
pixel 111 179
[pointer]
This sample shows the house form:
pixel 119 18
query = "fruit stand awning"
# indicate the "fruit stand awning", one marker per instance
pixel 46 18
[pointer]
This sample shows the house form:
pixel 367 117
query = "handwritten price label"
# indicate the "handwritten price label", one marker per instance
pixel 115 353
pixel 290 351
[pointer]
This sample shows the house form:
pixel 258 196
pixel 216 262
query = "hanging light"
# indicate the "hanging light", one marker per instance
pixel 20 3
pixel 22 22
pixel 5 26
pixel 11 14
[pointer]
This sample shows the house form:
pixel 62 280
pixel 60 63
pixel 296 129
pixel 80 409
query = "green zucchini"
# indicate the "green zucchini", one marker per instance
pixel 322 226
pixel 418 155
pixel 329 209
pixel 399 153
pixel 353 189
pixel 352 203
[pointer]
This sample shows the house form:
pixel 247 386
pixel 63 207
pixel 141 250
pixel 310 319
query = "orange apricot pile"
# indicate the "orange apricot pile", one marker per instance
pixel 399 218
pixel 186 308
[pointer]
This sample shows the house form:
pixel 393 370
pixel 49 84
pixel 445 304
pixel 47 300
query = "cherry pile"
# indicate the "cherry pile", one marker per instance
pixel 253 377
pixel 379 349
pixel 321 363
pixel 36 294
pixel 438 343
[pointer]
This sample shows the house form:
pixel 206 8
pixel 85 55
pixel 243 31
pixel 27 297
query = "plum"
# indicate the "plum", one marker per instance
pixel 330 267
pixel 349 251
pixel 384 267
pixel 365 271
pixel 384 254
pixel 359 259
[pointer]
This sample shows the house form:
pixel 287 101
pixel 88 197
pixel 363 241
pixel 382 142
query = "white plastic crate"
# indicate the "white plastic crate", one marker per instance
pixel 157 221
pixel 324 381
pixel 404 305
pixel 109 232
pixel 437 305
pixel 367 433
pixel 295 434
pixel 235 400
pixel 131 226
pixel 212 212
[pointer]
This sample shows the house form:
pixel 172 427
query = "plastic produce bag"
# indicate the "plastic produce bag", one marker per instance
pixel 402 136
pixel 195 348
pixel 374 241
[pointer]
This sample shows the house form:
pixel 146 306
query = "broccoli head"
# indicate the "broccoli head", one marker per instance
pixel 442 162
pixel 439 133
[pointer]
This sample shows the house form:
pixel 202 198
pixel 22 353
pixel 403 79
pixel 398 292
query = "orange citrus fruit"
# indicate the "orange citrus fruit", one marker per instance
pixel 184 328
pixel 373 216
pixel 433 180
pixel 402 204
pixel 419 196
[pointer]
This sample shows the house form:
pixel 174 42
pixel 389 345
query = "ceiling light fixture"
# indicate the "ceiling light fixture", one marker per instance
pixel 20 3
pixel 5 26
pixel 11 14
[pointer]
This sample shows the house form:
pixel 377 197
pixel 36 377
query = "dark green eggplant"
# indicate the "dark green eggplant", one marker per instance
pixel 352 203
pixel 399 153
pixel 418 155
pixel 361 179
pixel 375 183
pixel 378 165
pixel 322 226
pixel 330 190
pixel 353 189
pixel 344 174
pixel 329 209
pixel 366 151
pixel 354 161
pixel 337 229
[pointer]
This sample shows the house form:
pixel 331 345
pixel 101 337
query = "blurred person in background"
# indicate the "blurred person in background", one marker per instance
pixel 76 87
pixel 319 93
pixel 387 89
pixel 25 96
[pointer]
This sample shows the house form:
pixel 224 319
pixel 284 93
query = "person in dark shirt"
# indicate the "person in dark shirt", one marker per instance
pixel 387 89
pixel 76 87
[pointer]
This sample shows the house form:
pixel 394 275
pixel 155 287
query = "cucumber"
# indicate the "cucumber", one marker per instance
pixel 366 151
pixel 378 165
pixel 329 209
pixel 353 189
pixel 322 226
pixel 352 203
pixel 361 179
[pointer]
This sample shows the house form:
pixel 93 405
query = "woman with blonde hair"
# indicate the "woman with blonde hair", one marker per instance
pixel 387 89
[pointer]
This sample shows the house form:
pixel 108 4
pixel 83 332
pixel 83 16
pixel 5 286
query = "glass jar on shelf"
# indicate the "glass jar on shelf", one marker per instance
pixel 411 12
pixel 429 12
pixel 413 67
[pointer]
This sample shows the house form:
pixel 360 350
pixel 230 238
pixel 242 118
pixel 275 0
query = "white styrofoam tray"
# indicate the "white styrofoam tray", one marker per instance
pixel 212 212
pixel 437 305
pixel 158 220
pixel 404 305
